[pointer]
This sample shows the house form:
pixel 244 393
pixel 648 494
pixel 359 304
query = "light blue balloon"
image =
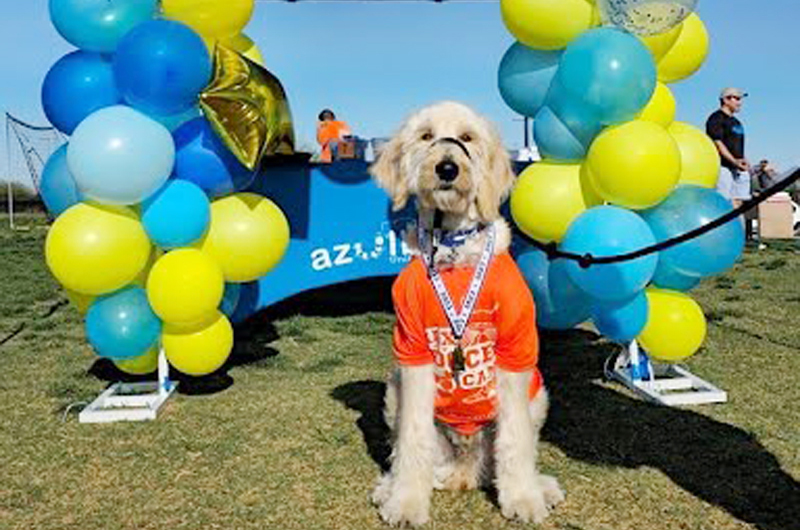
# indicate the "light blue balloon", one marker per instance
pixel 621 321
pixel 57 187
pixel 687 208
pixel 667 277
pixel 525 76
pixel 98 25
pixel 120 156
pixel 610 231
pixel 553 138
pixel 122 325
pixel 559 304
pixel 609 70
pixel 230 298
pixel 177 215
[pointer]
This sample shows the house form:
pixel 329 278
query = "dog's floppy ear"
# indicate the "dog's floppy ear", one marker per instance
pixel 499 179
pixel 388 175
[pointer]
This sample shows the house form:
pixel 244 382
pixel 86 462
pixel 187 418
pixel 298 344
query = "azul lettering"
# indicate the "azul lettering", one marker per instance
pixel 345 254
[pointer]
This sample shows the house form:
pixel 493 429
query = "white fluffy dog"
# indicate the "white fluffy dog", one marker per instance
pixel 465 409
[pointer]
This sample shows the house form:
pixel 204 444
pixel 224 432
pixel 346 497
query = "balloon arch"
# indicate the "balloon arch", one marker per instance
pixel 182 205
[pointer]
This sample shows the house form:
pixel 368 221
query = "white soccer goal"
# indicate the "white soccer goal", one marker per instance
pixel 28 147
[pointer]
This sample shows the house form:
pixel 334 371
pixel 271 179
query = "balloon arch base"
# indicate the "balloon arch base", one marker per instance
pixel 665 384
pixel 131 401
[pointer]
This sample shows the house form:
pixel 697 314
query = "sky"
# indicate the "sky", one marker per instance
pixel 376 62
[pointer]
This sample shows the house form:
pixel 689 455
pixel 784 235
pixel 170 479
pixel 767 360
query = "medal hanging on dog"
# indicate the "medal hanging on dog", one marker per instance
pixel 459 321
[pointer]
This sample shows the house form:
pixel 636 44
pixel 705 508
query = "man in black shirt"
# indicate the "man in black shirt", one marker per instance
pixel 728 135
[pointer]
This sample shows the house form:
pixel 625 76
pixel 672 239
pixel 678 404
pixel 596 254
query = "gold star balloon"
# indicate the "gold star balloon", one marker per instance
pixel 247 107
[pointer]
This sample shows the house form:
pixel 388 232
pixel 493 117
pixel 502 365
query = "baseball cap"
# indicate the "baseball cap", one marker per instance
pixel 730 91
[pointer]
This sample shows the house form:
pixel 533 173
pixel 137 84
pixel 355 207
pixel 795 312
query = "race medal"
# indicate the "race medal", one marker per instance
pixel 459 320
pixel 458 360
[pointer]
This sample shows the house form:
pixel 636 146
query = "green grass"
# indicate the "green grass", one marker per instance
pixel 286 438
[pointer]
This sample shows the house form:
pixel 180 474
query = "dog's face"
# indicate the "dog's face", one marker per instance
pixel 451 159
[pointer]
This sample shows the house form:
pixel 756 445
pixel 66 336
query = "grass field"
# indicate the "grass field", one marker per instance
pixel 289 437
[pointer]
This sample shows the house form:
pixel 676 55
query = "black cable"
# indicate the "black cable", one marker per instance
pixel 587 260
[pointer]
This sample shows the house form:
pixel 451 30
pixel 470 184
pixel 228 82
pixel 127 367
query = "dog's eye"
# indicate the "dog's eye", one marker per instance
pixel 427 136
pixel 466 138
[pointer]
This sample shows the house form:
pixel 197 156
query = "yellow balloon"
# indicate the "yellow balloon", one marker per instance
pixel 548 24
pixel 212 19
pixel 687 54
pixel 199 351
pixel 248 236
pixel 96 249
pixel 660 44
pixel 245 45
pixel 635 165
pixel 699 156
pixel 661 108
pixel 548 196
pixel 676 326
pixel 144 364
pixel 81 301
pixel 185 287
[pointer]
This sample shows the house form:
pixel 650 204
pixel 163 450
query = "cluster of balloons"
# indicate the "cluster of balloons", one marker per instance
pixel 154 233
pixel 619 173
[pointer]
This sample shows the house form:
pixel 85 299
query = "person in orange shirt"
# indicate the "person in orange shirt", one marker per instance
pixel 329 132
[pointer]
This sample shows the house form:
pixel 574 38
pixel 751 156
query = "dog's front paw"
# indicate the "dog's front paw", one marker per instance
pixel 524 504
pixel 383 489
pixel 553 494
pixel 404 507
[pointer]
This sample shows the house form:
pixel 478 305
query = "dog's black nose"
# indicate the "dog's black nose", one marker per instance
pixel 447 170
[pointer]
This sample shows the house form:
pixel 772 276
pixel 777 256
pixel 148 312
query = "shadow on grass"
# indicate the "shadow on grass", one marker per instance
pixel 718 463
pixel 250 347
pixel 253 336
pixel 366 397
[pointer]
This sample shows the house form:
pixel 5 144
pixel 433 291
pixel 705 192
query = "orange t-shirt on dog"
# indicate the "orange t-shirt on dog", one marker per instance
pixel 501 333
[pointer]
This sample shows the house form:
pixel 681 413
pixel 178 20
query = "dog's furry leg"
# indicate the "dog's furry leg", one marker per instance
pixel 404 493
pixel 522 493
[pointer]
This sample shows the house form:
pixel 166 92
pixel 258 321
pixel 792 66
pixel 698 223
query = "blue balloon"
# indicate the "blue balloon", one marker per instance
pixel 161 66
pixel 559 304
pixel 609 70
pixel 177 215
pixel 621 321
pixel 120 156
pixel 554 139
pixel 122 325
pixel 202 158
pixel 57 187
pixel 581 120
pixel 524 77
pixel 174 121
pixel 98 25
pixel 610 231
pixel 667 277
pixel 563 138
pixel 76 86
pixel 690 207
pixel 230 298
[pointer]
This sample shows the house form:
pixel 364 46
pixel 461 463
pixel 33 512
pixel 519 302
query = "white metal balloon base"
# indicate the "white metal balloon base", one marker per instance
pixel 131 401
pixel 667 384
